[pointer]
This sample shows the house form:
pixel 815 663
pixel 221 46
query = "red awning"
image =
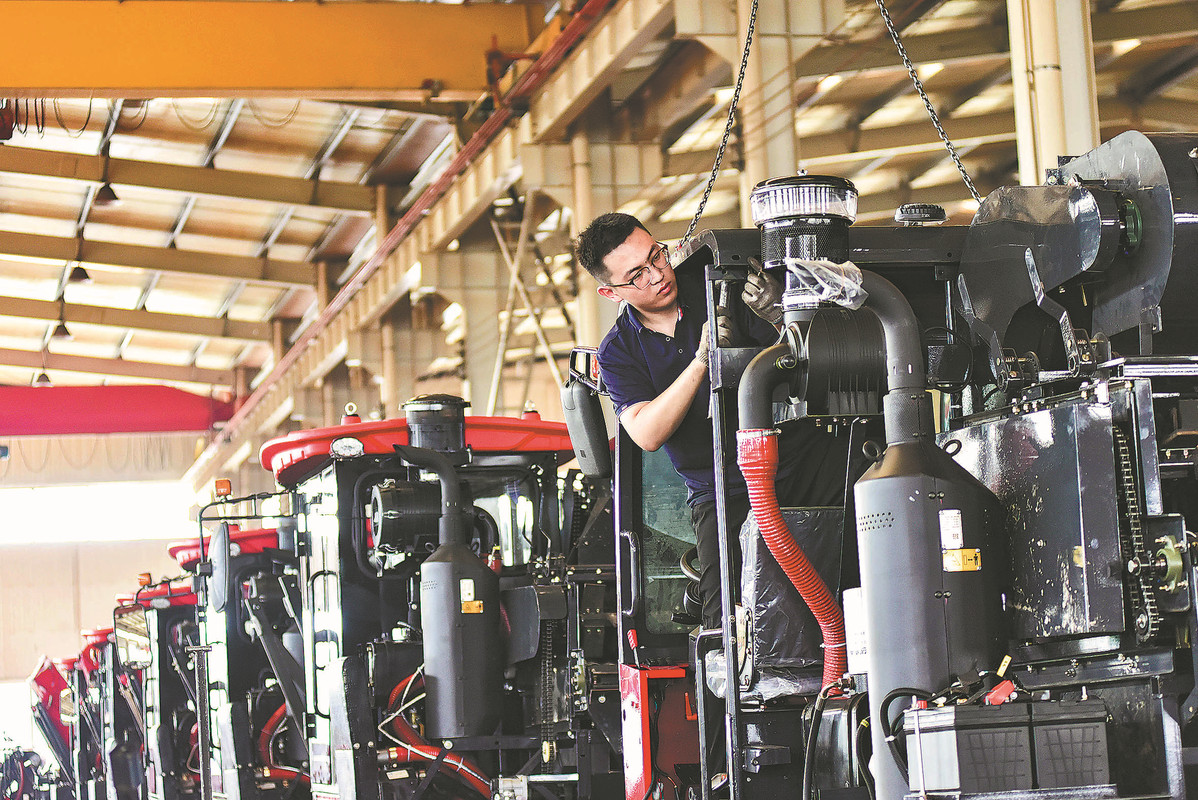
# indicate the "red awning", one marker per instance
pixel 44 411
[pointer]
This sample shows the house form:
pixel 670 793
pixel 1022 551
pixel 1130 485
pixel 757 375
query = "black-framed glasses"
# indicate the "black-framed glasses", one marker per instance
pixel 659 256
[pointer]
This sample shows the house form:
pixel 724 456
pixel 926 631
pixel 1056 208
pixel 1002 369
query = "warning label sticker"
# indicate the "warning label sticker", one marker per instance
pixel 472 607
pixel 952 533
pixel 967 559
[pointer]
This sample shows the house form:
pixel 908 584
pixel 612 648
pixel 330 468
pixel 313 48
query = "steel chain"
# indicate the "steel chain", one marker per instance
pixel 923 95
pixel 719 156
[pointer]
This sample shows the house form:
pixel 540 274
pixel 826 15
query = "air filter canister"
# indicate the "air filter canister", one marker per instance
pixel 437 422
pixel 804 216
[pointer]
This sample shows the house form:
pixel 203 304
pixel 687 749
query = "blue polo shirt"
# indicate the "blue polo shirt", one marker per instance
pixel 638 364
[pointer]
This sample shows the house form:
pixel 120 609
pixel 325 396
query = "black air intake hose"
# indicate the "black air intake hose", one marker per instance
pixel 455 521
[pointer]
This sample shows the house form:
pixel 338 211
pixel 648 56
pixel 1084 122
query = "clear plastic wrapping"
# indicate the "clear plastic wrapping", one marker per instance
pixel 769 684
pixel 784 640
pixel 822 281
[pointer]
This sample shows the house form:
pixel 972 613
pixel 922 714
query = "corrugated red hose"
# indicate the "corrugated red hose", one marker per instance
pixel 757 455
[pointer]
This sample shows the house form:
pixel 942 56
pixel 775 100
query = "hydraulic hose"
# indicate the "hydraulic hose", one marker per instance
pixel 268 730
pixel 272 770
pixel 414 748
pixel 757 455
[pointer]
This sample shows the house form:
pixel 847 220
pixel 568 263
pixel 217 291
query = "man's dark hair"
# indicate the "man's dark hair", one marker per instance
pixel 605 233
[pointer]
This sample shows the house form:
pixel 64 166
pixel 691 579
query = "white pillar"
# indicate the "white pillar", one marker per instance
pixel 589 325
pixel 1052 69
pixel 783 31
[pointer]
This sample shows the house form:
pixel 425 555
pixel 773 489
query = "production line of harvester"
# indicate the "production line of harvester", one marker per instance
pixel 1004 605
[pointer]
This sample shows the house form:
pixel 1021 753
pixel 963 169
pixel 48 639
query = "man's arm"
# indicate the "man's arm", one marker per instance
pixel 652 422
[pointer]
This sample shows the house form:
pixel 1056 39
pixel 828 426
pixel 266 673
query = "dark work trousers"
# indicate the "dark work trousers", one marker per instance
pixel 707 536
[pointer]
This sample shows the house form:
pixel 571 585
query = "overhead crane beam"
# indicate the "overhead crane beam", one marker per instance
pixel 162 259
pixel 215 48
pixel 154 322
pixel 335 196
pixel 115 366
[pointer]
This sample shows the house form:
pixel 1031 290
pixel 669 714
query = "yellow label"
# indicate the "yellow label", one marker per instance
pixel 472 607
pixel 968 559
pixel 1002 668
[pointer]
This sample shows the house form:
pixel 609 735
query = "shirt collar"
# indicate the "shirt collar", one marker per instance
pixel 635 321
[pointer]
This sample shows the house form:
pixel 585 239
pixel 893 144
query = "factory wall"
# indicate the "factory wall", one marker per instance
pixel 48 592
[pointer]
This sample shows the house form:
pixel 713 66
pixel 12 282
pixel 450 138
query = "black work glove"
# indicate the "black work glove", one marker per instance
pixel 723 332
pixel 762 294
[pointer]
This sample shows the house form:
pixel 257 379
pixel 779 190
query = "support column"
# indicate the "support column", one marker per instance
pixel 389 386
pixel 252 478
pixel 784 30
pixel 330 413
pixel 589 324
pixel 476 279
pixel 416 345
pixel 591 177
pixel 1052 69
pixel 364 358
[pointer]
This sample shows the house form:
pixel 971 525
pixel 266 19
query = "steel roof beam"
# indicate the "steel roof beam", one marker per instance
pixel 1173 68
pixel 335 196
pixel 106 48
pixel 232 114
pixel 115 366
pixel 136 320
pixel 990 41
pixel 188 262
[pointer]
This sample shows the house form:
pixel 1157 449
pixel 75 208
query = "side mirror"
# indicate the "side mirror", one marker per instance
pixel 221 581
pixel 584 415
pixel 132 636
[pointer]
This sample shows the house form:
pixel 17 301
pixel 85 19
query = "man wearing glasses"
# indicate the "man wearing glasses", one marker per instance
pixel 654 364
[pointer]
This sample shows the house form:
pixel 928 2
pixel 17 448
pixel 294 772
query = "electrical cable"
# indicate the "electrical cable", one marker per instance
pixel 63 125
pixel 141 119
pixel 418 748
pixel 889 732
pixel 205 122
pixel 282 123
pixel 863 772
pixel 817 713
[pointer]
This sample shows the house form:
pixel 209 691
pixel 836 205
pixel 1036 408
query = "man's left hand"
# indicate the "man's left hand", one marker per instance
pixel 762 294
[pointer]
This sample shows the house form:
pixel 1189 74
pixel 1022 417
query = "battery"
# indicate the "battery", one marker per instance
pixel 1040 745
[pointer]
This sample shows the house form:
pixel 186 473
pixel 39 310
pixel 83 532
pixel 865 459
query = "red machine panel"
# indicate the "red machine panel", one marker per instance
pixel 291 456
pixel 251 540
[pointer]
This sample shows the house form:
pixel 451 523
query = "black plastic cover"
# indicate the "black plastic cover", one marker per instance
pixel 782 630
